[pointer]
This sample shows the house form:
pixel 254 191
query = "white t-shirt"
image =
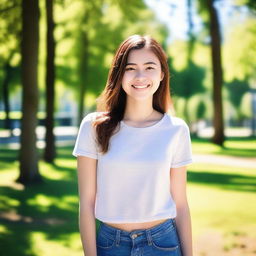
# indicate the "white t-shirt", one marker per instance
pixel 133 177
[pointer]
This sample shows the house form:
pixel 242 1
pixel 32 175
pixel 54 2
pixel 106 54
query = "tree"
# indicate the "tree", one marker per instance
pixel 84 56
pixel 5 84
pixel 187 83
pixel 236 91
pixel 10 31
pixel 240 55
pixel 99 35
pixel 188 80
pixel 252 5
pixel 50 152
pixel 191 36
pixel 29 170
pixel 218 137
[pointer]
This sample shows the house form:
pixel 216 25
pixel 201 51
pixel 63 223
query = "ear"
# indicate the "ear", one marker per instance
pixel 162 75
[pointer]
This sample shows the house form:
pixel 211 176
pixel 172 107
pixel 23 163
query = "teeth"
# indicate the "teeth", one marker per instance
pixel 140 87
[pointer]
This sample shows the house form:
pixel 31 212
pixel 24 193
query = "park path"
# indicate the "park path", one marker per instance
pixel 246 162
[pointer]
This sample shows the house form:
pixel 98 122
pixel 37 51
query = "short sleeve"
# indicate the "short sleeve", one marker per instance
pixel 183 153
pixel 86 140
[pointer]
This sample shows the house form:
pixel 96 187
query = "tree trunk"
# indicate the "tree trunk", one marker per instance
pixel 218 137
pixel 6 82
pixel 191 37
pixel 29 171
pixel 186 112
pixel 50 152
pixel 191 43
pixel 83 66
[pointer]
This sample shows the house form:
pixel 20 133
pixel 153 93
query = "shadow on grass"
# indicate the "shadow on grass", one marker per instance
pixel 224 181
pixel 8 156
pixel 65 152
pixel 29 217
pixel 45 208
pixel 235 150
pixel 54 215
pixel 49 208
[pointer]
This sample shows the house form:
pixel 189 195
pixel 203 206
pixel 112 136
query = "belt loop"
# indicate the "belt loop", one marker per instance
pixel 118 237
pixel 149 238
pixel 173 222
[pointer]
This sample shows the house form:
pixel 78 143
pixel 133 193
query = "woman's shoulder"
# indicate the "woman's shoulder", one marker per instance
pixel 92 119
pixel 92 116
pixel 177 122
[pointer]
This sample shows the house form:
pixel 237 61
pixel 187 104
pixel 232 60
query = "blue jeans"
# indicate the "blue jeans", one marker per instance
pixel 160 240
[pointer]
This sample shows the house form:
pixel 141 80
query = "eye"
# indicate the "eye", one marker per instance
pixel 129 69
pixel 148 68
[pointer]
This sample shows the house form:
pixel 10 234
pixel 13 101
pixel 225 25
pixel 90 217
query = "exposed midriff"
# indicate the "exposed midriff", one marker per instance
pixel 135 226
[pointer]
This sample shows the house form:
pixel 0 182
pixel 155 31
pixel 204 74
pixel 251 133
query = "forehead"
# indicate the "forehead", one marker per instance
pixel 143 55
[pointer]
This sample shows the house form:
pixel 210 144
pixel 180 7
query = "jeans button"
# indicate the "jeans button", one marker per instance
pixel 134 236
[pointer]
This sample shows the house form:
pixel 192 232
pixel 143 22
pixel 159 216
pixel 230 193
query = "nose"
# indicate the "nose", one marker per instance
pixel 140 75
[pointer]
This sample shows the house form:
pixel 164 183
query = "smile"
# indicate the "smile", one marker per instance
pixel 140 86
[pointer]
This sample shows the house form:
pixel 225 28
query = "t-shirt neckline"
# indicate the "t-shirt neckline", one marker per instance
pixel 146 127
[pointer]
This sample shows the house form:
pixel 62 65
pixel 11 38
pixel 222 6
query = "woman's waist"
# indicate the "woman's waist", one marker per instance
pixel 135 226
pixel 139 233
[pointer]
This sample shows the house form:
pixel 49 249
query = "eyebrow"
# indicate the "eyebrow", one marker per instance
pixel 147 63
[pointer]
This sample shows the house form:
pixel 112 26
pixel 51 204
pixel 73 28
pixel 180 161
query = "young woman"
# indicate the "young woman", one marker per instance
pixel 132 158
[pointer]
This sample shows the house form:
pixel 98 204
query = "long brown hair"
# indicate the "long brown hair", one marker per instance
pixel 112 100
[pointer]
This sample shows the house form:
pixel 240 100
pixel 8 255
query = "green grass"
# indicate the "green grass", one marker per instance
pixel 223 197
pixel 223 207
pixel 42 219
pixel 241 146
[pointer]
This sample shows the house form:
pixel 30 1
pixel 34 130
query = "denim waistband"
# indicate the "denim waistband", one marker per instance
pixel 138 234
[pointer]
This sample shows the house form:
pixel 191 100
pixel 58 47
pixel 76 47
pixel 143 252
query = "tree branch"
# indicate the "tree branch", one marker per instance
pixel 6 9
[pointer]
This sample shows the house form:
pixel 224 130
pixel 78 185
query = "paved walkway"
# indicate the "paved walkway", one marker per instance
pixel 245 162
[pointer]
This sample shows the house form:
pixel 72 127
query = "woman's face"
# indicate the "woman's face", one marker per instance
pixel 142 74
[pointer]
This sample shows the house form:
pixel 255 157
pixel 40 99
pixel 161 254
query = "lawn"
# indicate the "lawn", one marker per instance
pixel 42 220
pixel 237 146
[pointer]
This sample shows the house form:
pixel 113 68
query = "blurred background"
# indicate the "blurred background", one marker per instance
pixel 54 61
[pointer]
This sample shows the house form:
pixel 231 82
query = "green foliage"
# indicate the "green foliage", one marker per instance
pixel 240 51
pixel 189 81
pixel 13 74
pixel 10 27
pixel 250 3
pixel 202 8
pixel 236 91
pixel 201 110
pixel 246 106
pixel 89 34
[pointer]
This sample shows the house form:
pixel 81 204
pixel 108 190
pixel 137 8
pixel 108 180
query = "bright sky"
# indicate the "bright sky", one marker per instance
pixel 173 13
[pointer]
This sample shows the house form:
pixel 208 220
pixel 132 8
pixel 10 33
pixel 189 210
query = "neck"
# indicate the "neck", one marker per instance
pixel 138 111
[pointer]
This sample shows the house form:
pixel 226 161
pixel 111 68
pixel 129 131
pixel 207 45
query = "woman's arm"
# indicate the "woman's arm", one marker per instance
pixel 183 220
pixel 87 192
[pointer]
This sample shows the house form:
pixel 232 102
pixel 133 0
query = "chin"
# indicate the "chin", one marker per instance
pixel 140 97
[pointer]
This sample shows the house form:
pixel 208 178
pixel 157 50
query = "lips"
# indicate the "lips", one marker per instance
pixel 140 87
